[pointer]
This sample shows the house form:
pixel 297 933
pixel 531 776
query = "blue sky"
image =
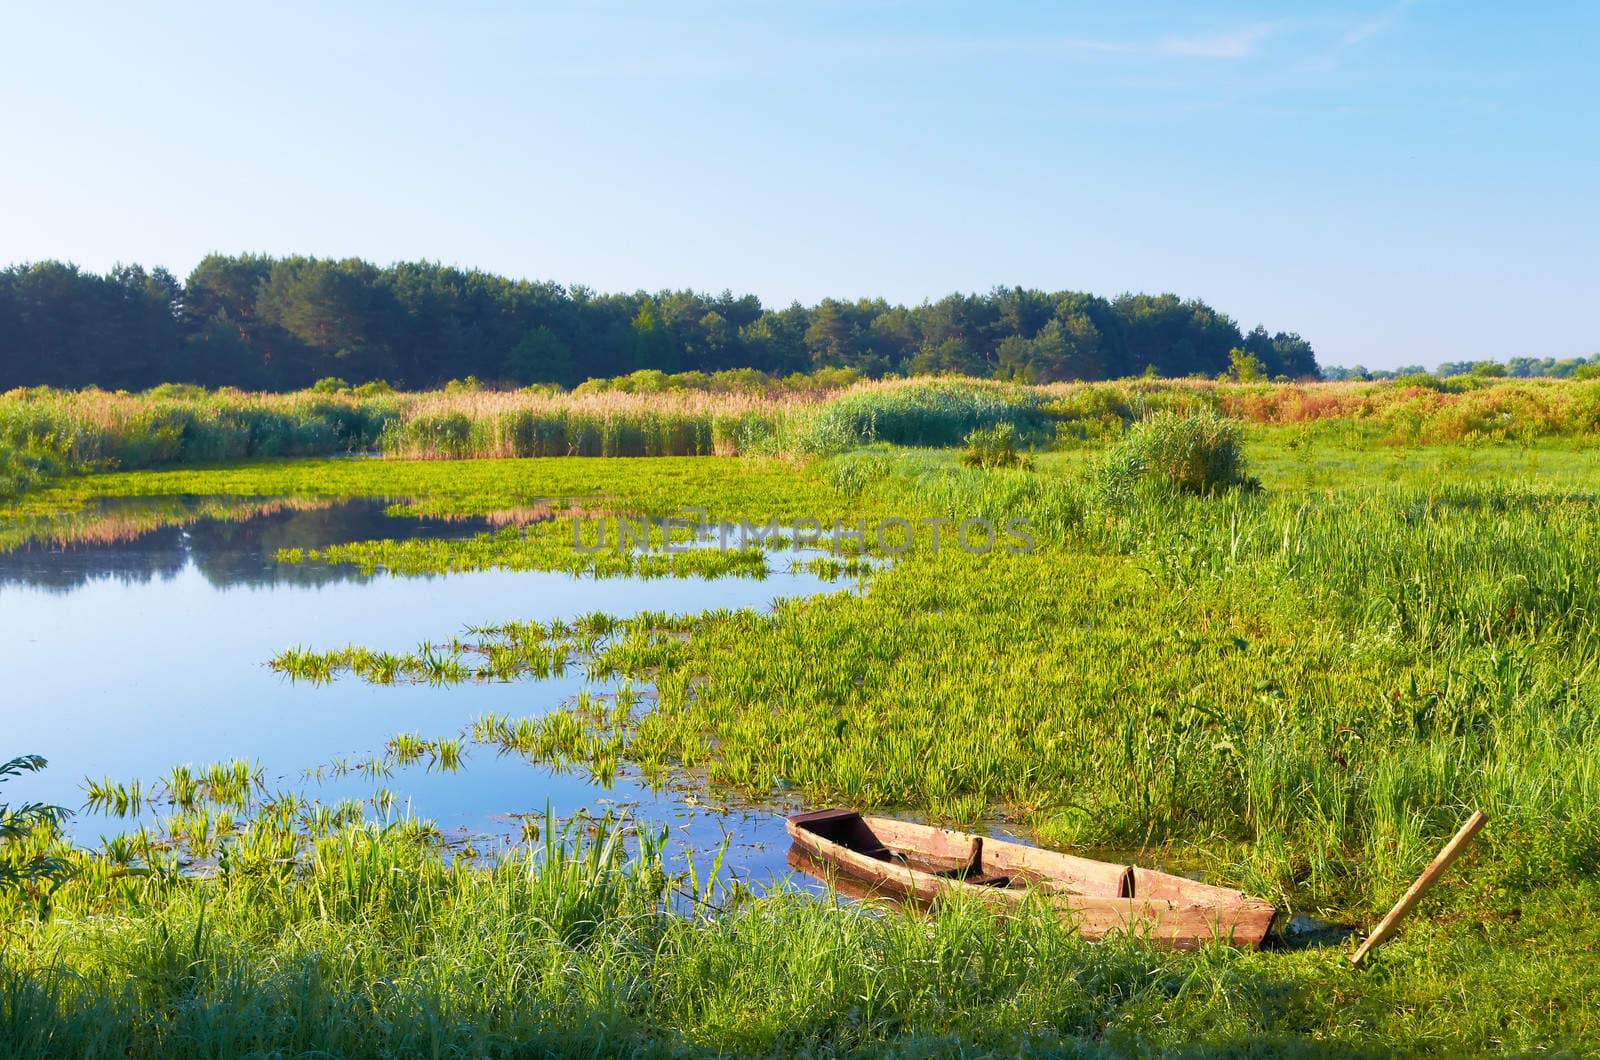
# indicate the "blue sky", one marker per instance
pixel 1400 182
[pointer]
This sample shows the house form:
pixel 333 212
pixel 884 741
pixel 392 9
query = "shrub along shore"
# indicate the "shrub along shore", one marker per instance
pixel 46 433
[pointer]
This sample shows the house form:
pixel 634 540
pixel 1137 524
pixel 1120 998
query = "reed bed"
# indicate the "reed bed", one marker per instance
pixel 45 433
pixel 611 423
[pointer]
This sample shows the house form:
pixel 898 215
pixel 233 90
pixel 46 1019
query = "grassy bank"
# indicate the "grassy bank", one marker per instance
pixel 380 950
pixel 1299 690
pixel 378 946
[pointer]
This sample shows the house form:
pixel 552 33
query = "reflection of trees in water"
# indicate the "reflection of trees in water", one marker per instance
pixel 117 520
pixel 230 543
pixel 525 515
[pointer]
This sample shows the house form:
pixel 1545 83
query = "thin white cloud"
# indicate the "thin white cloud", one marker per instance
pixel 1227 44
pixel 1233 44
pixel 1357 34
pixel 1372 27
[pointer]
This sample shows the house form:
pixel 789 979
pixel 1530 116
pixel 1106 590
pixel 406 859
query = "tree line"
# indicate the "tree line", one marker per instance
pixel 259 322
pixel 1513 368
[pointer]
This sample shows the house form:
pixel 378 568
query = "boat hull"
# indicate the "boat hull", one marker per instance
pixel 904 860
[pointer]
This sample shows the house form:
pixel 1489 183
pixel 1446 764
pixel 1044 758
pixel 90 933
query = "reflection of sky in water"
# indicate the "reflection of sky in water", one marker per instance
pixel 128 658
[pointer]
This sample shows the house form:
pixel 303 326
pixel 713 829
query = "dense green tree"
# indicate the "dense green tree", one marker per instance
pixel 280 323
pixel 1283 354
pixel 953 356
pixel 61 326
pixel 776 342
pixel 1245 366
pixel 833 339
pixel 652 342
pixel 1176 337
pixel 540 357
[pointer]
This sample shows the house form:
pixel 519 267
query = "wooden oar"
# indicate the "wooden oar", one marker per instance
pixel 1391 923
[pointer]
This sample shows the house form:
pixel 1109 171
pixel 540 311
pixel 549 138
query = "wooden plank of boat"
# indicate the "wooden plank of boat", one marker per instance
pixel 909 860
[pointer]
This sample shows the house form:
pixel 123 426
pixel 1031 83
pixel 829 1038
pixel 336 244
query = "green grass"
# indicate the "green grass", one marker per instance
pixel 1299 691
pixel 380 945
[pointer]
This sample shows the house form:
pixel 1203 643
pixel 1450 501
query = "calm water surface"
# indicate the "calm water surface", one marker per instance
pixel 146 649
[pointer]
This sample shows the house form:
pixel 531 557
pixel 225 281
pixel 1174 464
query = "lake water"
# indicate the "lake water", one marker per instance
pixel 139 649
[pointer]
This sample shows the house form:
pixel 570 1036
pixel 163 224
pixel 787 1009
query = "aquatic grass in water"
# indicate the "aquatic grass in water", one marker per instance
pixel 502 652
pixel 1311 687
pixel 581 549
pixel 233 784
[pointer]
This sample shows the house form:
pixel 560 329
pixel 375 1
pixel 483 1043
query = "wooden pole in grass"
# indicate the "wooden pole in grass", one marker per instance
pixel 1408 901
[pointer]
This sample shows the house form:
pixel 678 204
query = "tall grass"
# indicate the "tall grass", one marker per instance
pixel 44 432
pixel 607 423
pixel 325 933
pixel 381 947
pixel 917 412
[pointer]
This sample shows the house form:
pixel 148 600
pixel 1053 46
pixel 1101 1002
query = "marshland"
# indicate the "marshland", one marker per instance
pixel 367 752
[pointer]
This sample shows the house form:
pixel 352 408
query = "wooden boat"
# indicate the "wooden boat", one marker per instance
pixel 923 863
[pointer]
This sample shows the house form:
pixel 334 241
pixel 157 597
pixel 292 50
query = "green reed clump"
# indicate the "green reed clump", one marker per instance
pixel 443 754
pixel 832 569
pixel 115 797
pixel 1197 453
pixel 231 784
pixel 921 412
pixel 29 463
pixel 992 447
pixel 97 429
pixel 591 423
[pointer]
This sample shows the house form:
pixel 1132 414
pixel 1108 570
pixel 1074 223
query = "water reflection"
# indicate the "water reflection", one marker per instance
pixel 139 644
pixel 230 542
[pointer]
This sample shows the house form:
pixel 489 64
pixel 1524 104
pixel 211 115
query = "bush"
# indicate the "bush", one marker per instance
pixel 1198 453
pixel 990 447
pixel 177 392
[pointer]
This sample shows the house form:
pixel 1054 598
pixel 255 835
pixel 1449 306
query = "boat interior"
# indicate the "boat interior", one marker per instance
pixel 950 855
